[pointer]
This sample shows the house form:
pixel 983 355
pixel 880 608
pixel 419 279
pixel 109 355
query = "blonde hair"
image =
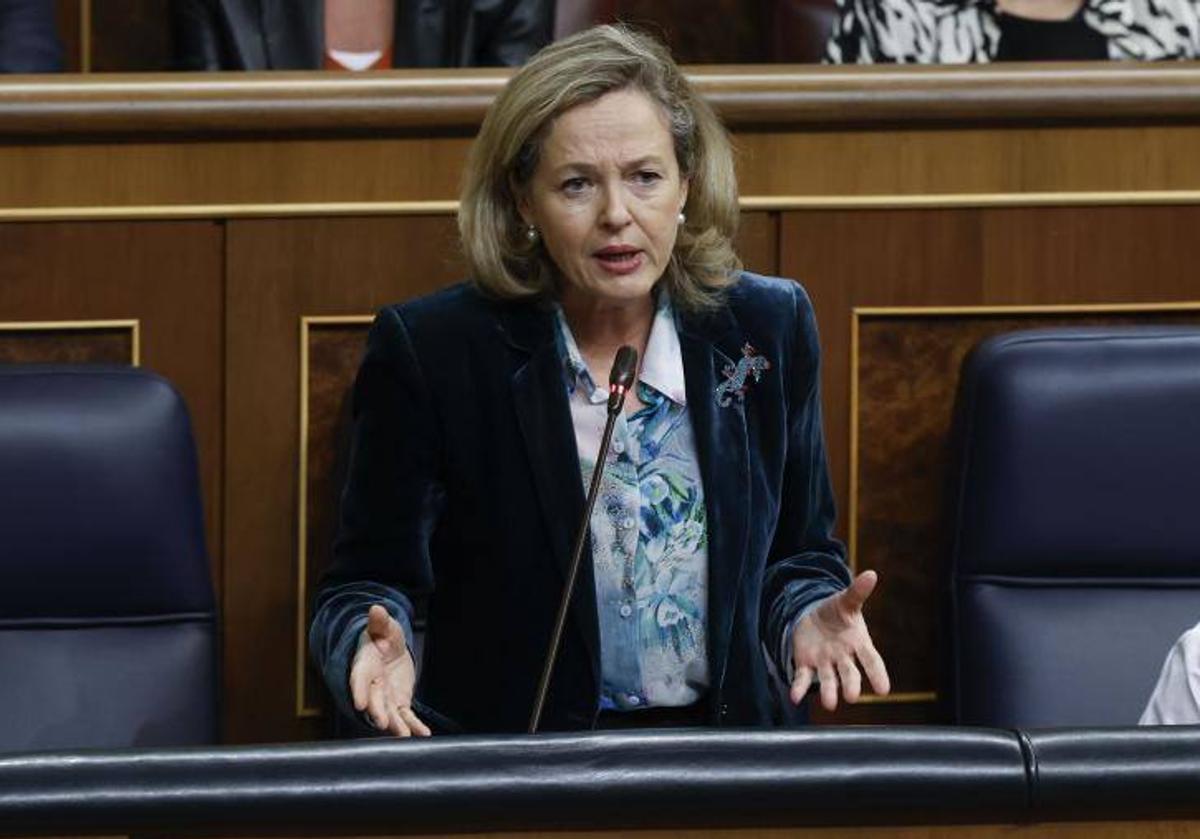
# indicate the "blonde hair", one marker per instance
pixel 575 70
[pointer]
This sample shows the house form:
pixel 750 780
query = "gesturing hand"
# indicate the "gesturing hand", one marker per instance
pixel 826 642
pixel 383 675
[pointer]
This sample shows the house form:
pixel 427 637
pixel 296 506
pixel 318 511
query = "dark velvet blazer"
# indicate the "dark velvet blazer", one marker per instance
pixel 464 485
pixel 290 35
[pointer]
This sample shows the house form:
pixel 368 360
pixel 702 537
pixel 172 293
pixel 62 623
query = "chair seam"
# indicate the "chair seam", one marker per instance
pixel 98 622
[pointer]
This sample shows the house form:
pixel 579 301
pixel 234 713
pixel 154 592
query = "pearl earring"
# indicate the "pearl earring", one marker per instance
pixel 531 234
pixel 682 218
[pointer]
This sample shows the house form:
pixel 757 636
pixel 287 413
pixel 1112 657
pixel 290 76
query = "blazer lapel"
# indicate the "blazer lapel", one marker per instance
pixel 708 343
pixel 544 417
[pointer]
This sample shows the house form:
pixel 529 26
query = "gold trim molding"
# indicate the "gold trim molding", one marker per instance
pixel 858 313
pixel 913 698
pixel 761 203
pixel 969 200
pixel 307 323
pixel 169 212
pixel 133 325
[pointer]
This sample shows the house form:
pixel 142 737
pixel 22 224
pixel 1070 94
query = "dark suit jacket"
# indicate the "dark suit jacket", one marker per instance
pixel 29 37
pixel 464 485
pixel 290 35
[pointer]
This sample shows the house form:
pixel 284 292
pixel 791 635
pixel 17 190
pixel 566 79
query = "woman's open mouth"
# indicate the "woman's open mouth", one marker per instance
pixel 619 259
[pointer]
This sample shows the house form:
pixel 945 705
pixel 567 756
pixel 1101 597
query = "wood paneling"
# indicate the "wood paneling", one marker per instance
pixel 334 351
pixel 67 16
pixel 168 276
pixel 60 345
pixel 278 272
pixel 912 163
pixel 225 143
pixel 1095 254
pixel 241 172
pixel 758 242
pixel 968 160
pixel 220 302
pixel 452 102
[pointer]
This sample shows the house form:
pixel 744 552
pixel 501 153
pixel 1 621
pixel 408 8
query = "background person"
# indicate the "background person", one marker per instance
pixel 356 34
pixel 981 31
pixel 1176 696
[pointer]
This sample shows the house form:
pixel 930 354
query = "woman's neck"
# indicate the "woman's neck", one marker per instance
pixel 601 327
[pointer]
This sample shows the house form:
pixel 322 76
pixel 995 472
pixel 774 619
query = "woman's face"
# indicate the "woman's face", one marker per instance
pixel 606 197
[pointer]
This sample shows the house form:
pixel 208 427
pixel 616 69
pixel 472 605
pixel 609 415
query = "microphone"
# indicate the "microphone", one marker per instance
pixel 620 380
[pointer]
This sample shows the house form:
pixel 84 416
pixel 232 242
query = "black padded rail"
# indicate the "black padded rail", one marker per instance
pixel 607 780
pixel 1115 772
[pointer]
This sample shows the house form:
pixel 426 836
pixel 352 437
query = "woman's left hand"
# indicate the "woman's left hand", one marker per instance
pixel 831 642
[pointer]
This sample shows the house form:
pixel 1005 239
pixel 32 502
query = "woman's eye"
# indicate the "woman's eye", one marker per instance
pixel 647 177
pixel 573 186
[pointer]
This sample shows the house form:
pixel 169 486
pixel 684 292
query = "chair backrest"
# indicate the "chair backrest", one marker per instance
pixel 1075 560
pixel 107 619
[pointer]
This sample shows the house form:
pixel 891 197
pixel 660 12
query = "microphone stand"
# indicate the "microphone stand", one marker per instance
pixel 624 368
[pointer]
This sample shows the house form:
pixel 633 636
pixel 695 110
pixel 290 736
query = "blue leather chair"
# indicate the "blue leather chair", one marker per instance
pixel 1075 560
pixel 108 635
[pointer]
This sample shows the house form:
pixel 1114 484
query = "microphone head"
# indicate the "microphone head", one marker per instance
pixel 624 368
pixel 620 379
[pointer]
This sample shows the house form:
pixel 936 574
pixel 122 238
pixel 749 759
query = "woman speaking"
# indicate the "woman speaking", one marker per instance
pixel 598 210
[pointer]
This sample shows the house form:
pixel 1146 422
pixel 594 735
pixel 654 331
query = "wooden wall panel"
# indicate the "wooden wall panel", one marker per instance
pixel 1116 254
pixel 132 174
pixel 20 343
pixel 279 272
pixel 334 349
pixel 67 16
pixel 221 303
pixel 968 160
pixel 167 276
pixel 977 163
pixel 758 242
pixel 958 258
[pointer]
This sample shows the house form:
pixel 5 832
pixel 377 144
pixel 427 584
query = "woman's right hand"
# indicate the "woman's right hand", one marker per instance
pixel 382 677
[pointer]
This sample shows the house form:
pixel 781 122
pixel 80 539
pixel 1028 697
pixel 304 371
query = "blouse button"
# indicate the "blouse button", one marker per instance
pixel 627 522
pixel 634 699
pixel 626 610
pixel 618 446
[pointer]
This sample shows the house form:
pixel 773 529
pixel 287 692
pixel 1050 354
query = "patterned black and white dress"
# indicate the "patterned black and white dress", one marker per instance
pixel 969 31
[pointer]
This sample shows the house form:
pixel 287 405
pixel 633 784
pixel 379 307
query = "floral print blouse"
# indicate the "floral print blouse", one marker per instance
pixel 649 527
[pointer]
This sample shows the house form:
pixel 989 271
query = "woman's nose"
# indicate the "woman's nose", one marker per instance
pixel 615 211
